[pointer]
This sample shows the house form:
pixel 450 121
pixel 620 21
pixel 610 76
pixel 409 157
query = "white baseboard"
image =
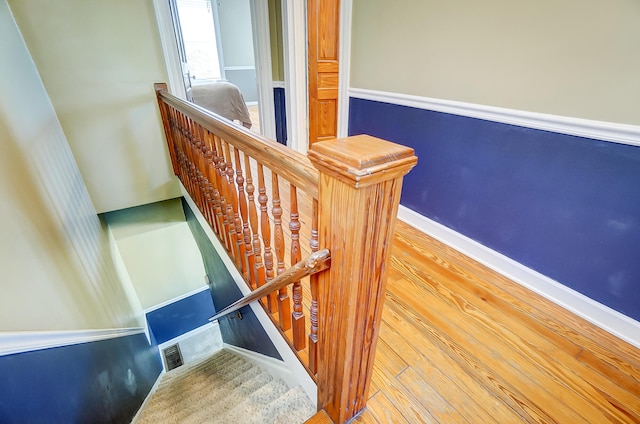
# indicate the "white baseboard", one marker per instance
pixel 25 341
pixel 604 317
pixel 299 372
pixel 275 367
pixel 608 131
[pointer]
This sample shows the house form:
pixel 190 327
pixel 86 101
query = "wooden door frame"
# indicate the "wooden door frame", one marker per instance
pixel 260 30
pixel 295 49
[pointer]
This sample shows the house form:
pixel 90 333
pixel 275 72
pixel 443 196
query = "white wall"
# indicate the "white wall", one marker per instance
pixel 98 61
pixel 55 262
pixel 576 58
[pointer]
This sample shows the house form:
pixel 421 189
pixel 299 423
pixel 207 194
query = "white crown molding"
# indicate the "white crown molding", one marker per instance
pixel 300 374
pixel 176 299
pixel 607 131
pixel 600 315
pixel 26 341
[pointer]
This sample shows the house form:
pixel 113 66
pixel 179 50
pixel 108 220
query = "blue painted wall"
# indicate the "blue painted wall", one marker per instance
pixel 565 206
pixel 180 317
pixel 98 382
pixel 280 107
pixel 246 333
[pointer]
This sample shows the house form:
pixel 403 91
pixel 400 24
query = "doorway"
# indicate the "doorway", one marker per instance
pixel 215 42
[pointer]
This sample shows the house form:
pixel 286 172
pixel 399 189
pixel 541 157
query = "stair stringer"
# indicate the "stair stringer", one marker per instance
pixel 297 373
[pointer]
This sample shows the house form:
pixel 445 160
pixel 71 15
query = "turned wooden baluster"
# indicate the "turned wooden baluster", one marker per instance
pixel 240 251
pixel 217 194
pixel 297 316
pixel 246 232
pixel 253 222
pixel 200 167
pixel 360 184
pixel 224 198
pixel 284 305
pixel 166 123
pixel 193 172
pixel 207 156
pixel 313 282
pixel 265 228
pixel 184 160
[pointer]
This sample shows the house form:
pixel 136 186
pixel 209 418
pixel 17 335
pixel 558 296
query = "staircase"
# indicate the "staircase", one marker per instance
pixel 224 388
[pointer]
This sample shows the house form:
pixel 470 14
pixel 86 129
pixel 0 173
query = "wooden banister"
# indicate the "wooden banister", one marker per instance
pixel 262 200
pixel 360 183
pixel 293 166
pixel 315 263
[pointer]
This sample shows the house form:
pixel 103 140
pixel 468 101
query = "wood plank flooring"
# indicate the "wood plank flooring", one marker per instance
pixel 460 343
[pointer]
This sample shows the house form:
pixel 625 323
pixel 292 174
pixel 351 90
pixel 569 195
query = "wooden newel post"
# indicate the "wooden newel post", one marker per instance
pixel 360 183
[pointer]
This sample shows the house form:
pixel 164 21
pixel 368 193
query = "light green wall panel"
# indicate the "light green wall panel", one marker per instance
pixel 275 33
pixel 98 61
pixel 55 257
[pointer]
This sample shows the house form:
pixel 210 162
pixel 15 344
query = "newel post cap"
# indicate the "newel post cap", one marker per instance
pixel 362 160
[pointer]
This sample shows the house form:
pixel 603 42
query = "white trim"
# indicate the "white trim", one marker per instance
pixel 25 341
pixel 297 369
pixel 240 68
pixel 294 35
pixel 175 299
pixel 275 367
pixel 262 58
pixel 278 84
pixel 212 327
pixel 600 315
pixel 344 65
pixel 607 131
pixel 169 48
pixel 216 29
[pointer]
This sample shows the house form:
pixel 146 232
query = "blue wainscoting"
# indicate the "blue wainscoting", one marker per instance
pixel 280 106
pixel 181 316
pixel 99 382
pixel 246 333
pixel 565 206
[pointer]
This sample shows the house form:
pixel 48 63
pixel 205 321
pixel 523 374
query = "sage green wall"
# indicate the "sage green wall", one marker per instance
pixel 158 251
pixel 57 270
pixel 235 32
pixel 98 61
pixel 576 58
pixel 275 38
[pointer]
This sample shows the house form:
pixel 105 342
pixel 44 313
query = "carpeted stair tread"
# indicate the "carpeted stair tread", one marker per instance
pixel 224 388
pixel 292 407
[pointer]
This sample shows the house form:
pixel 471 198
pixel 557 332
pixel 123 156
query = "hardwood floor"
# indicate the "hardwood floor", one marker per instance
pixel 460 343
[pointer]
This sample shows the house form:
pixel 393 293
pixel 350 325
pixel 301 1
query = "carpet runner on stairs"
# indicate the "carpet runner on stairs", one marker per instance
pixel 224 388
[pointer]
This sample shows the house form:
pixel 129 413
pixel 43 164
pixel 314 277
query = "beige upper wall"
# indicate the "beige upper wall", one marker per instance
pixel 576 58
pixel 98 61
pixel 57 272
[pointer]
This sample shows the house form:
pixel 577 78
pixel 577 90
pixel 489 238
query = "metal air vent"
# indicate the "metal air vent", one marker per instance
pixel 172 357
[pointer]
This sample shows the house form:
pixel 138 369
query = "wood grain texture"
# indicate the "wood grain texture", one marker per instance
pixel 323 35
pixel 356 223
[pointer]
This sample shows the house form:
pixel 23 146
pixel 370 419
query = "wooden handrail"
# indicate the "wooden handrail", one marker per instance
pixel 350 190
pixel 316 262
pixel 292 165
